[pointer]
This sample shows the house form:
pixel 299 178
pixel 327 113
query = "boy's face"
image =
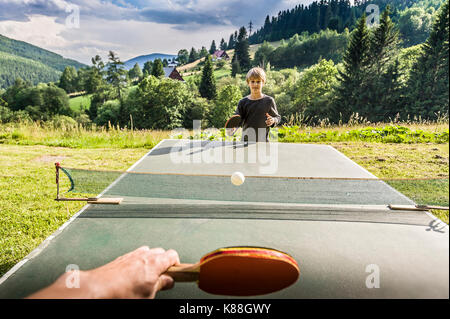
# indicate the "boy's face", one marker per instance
pixel 255 84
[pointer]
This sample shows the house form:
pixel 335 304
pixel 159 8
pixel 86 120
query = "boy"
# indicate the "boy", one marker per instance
pixel 257 110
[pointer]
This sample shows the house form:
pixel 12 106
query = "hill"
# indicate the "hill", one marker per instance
pixel 29 51
pixel 144 58
pixel 333 14
pixel 12 67
pixel 31 63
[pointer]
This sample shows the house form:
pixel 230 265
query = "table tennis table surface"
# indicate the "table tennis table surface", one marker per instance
pixel 334 222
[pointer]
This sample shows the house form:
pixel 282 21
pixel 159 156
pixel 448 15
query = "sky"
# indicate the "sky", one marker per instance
pixel 81 29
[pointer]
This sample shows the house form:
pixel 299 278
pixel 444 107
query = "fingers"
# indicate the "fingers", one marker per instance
pixel 160 260
pixel 165 282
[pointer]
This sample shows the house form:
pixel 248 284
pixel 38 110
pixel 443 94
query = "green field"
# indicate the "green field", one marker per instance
pixel 80 103
pixel 29 214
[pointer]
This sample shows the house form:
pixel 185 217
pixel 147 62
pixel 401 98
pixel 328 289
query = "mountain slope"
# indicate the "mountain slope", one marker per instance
pixel 29 51
pixel 12 67
pixel 29 62
pixel 144 58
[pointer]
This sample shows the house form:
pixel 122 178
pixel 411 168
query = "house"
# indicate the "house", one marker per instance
pixel 171 72
pixel 219 55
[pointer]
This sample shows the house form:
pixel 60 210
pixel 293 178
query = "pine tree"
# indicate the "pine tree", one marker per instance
pixel 223 44
pixel 383 49
pixel 235 68
pixel 428 84
pixel 242 50
pixel 213 47
pixel 348 92
pixel 192 55
pixel 328 16
pixel 231 42
pixel 207 86
pixel 116 74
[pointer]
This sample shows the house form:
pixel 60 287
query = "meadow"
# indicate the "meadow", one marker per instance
pixel 413 157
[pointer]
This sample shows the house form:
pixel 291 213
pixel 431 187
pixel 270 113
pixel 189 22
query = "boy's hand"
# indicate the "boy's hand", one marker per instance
pixel 269 120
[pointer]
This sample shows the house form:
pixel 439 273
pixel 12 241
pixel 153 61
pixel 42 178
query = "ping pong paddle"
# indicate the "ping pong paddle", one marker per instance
pixel 239 271
pixel 233 124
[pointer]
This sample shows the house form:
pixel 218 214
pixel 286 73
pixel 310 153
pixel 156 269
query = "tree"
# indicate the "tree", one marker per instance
pixel 95 77
pixel 135 72
pixel 225 105
pixel 428 86
pixel 235 68
pixel 381 77
pixel 242 50
pixel 116 74
pixel 263 53
pixel 183 56
pixel 223 44
pixel 41 102
pixel 158 69
pixel 231 42
pixel 207 87
pixel 147 70
pixel 193 55
pixel 348 90
pixel 12 94
pixel 203 53
pixel 414 25
pixel 68 80
pixel 213 47
pixel 158 104
pixel 315 82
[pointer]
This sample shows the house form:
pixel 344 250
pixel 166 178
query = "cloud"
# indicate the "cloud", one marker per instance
pixel 130 27
pixel 174 12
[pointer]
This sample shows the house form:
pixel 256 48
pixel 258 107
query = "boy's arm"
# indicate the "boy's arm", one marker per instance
pixel 273 112
pixel 238 110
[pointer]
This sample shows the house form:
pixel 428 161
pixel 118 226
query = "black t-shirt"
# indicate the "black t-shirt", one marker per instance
pixel 253 113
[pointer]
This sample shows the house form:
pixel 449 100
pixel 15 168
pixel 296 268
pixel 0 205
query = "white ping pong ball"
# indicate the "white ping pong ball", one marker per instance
pixel 237 178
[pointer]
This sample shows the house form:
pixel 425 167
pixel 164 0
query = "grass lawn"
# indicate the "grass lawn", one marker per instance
pixel 29 214
pixel 79 103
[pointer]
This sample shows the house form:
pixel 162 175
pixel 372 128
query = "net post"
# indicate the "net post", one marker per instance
pixel 57 166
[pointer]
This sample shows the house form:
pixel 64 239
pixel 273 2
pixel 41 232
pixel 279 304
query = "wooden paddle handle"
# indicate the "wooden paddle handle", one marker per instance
pixel 184 272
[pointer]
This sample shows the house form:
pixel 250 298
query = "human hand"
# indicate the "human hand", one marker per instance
pixel 138 274
pixel 269 120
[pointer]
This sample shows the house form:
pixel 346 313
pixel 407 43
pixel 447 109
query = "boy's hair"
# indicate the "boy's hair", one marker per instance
pixel 256 73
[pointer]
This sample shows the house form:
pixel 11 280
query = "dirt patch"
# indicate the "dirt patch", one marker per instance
pixel 50 158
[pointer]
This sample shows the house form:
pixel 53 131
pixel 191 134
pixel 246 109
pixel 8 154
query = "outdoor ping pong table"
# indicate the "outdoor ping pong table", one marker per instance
pixel 310 201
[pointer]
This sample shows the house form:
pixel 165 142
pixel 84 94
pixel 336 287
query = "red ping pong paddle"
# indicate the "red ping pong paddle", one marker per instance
pixel 240 271
pixel 233 124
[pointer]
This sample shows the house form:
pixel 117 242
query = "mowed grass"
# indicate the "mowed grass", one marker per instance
pixel 28 211
pixel 29 214
pixel 80 103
